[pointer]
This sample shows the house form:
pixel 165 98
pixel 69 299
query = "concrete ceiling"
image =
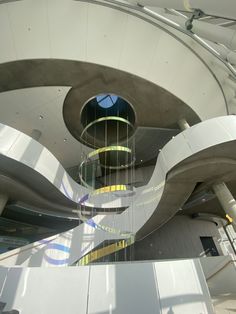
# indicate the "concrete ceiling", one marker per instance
pixel 41 108
pixel 85 32
pixel 44 29
pixel 66 29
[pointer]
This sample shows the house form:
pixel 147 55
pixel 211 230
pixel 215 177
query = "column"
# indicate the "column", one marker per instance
pixel 226 200
pixel 183 124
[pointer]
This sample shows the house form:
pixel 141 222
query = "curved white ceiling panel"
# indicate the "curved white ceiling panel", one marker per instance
pixel 88 32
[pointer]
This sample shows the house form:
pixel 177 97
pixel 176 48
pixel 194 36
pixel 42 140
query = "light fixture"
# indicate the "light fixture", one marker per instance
pixel 65 140
pixel 40 117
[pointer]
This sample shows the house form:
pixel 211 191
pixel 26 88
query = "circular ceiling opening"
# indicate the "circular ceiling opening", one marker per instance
pixel 106 100
pixel 107 114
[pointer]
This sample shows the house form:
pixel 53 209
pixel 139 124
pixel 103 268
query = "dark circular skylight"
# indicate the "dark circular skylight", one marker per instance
pixel 106 100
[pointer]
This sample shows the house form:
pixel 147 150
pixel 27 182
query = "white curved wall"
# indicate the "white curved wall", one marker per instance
pixel 21 148
pixel 82 31
pixel 66 248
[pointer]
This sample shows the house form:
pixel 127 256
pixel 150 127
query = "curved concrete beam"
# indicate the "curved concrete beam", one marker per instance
pixel 142 94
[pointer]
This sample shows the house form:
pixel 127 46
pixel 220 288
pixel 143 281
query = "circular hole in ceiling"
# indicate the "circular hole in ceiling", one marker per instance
pixel 106 100
pixel 107 113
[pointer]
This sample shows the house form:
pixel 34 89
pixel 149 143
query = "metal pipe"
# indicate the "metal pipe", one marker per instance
pixel 212 32
pixel 226 200
pixel 229 238
pixel 217 8
pixel 226 53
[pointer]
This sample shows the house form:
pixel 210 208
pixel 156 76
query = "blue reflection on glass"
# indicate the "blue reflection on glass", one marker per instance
pixel 106 100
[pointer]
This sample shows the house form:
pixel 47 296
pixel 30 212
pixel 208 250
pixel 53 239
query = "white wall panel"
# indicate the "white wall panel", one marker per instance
pixel 167 51
pixel 176 150
pixel 88 32
pixel 67 29
pixel 105 35
pixel 186 77
pixel 29 25
pixel 209 133
pixel 123 288
pixel 41 291
pixel 132 288
pixel 7 138
pixel 182 288
pixel 204 96
pixel 7 44
pixel 140 40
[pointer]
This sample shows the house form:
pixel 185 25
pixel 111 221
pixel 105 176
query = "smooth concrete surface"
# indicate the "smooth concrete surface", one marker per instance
pixel 150 102
pixel 174 178
pixel 166 287
pixel 123 41
pixel 36 134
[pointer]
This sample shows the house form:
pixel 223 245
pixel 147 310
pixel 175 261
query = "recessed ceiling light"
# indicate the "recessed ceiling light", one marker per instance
pixel 40 117
pixel 141 160
pixel 65 139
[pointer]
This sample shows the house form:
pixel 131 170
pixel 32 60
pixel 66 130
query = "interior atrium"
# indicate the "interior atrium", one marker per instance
pixel 117 156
